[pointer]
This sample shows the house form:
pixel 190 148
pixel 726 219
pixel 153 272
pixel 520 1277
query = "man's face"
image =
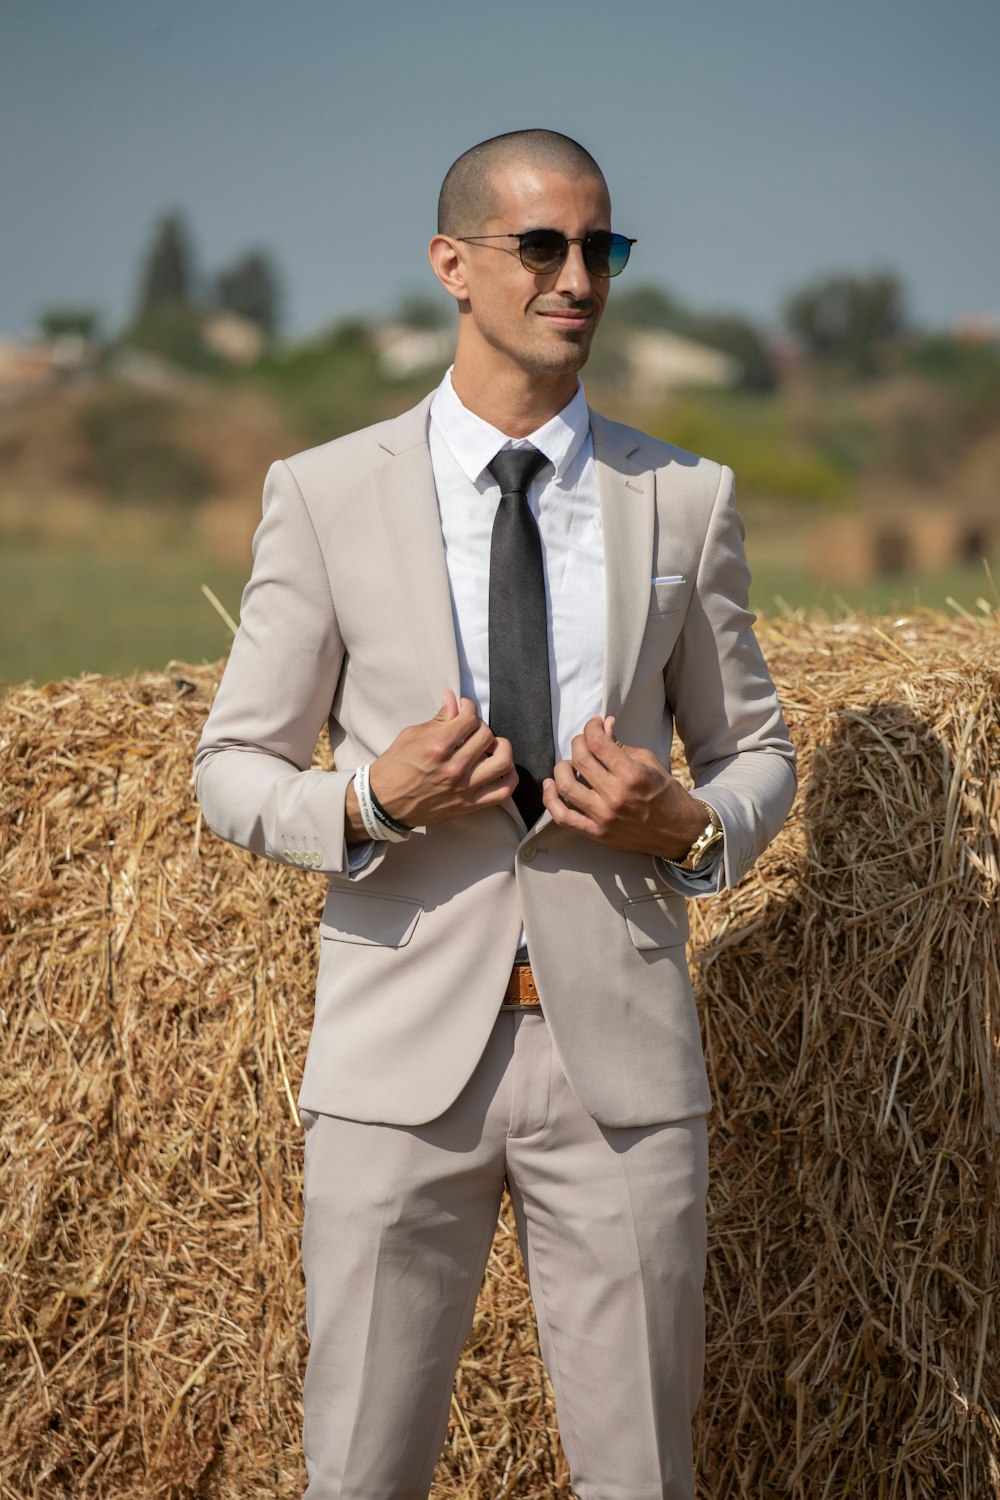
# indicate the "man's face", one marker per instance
pixel 543 323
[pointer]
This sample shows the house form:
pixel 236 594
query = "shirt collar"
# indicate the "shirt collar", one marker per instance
pixel 474 443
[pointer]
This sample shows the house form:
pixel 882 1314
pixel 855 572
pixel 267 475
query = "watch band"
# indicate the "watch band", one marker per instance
pixel 705 844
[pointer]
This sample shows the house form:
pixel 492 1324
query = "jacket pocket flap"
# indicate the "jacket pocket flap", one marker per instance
pixel 668 595
pixel 378 921
pixel 657 921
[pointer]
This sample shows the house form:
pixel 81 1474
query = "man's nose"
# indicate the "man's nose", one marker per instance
pixel 573 277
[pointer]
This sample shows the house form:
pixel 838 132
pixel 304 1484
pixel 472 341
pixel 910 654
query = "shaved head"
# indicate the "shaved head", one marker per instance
pixel 468 194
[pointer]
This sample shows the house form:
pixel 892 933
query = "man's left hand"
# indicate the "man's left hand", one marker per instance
pixel 622 796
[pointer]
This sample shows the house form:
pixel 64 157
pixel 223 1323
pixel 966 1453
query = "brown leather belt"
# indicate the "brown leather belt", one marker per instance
pixel 521 988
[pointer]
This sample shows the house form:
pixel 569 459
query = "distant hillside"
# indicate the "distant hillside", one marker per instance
pixel 156 452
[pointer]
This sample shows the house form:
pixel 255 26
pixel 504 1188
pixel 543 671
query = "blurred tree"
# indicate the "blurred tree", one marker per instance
pixel 168 321
pixel 69 322
pixel 174 332
pixel 737 336
pixel 424 310
pixel 849 320
pixel 648 306
pixel 969 372
pixel 250 288
pixel 332 383
pixel 167 277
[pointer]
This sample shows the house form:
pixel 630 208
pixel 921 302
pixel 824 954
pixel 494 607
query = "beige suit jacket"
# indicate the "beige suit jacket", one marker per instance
pixel 347 619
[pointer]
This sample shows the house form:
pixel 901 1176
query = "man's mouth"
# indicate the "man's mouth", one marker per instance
pixel 566 317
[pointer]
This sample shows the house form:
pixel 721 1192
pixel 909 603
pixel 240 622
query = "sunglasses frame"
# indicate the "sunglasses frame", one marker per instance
pixel 557 265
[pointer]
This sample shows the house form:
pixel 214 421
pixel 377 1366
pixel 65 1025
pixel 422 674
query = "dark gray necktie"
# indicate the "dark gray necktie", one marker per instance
pixel 520 706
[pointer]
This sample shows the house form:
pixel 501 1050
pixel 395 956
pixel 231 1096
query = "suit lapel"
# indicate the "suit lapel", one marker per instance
pixel 627 519
pixel 628 509
pixel 407 500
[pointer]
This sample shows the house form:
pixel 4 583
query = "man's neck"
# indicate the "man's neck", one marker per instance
pixel 517 405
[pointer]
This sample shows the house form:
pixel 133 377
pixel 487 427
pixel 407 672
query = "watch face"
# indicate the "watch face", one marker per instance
pixel 709 852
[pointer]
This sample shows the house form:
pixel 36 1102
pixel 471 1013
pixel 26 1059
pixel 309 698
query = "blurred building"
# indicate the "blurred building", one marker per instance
pixel 976 328
pixel 658 362
pixel 28 366
pixel 404 351
pixel 237 340
pixel 653 361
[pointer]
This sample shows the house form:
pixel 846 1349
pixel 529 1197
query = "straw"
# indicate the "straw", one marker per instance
pixel 155 1000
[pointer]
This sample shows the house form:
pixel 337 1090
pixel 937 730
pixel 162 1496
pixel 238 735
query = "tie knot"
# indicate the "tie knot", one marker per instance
pixel 515 468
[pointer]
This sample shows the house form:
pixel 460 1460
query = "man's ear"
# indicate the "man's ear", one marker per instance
pixel 448 266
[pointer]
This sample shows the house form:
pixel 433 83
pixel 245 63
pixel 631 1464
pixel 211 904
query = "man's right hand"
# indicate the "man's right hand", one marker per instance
pixel 436 771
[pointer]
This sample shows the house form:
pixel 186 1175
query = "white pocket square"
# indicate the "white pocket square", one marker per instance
pixel 670 578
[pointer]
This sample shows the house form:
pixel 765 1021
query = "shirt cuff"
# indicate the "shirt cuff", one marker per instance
pixel 359 856
pixel 691 882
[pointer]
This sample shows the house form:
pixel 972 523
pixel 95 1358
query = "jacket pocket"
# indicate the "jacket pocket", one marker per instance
pixel 668 597
pixel 375 921
pixel 656 921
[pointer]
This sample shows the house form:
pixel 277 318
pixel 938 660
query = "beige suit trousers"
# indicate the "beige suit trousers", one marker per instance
pixel 398 1226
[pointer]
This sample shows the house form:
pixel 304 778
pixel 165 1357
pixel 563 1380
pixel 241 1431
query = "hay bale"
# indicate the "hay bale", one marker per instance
pixel 156 999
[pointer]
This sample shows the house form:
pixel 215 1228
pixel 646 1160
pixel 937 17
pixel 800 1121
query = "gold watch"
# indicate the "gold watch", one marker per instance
pixel 706 845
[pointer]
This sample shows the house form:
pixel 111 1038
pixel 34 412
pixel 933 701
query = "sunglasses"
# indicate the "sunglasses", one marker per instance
pixel 545 250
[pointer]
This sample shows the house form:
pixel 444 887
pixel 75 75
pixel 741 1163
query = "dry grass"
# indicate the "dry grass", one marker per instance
pixel 156 997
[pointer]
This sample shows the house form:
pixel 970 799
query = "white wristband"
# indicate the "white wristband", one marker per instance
pixel 374 827
pixel 365 804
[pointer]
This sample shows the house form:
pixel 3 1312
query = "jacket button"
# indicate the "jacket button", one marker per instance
pixel 529 851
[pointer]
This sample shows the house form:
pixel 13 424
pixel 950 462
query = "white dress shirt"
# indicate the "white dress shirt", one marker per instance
pixel 565 501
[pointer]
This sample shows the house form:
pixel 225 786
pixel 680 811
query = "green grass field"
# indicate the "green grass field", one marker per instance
pixel 66 611
pixel 780 587
pixel 63 612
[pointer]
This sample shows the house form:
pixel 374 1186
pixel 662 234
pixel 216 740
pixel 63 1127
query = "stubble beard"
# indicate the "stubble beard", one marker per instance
pixel 539 353
pixel 567 357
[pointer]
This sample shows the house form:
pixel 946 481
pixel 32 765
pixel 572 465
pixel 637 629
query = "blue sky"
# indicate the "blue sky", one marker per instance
pixel 749 146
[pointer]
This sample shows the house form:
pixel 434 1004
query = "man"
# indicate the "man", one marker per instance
pixel 502 604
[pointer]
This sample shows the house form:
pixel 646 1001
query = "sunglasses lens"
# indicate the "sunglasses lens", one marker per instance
pixel 542 250
pixel 606 254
